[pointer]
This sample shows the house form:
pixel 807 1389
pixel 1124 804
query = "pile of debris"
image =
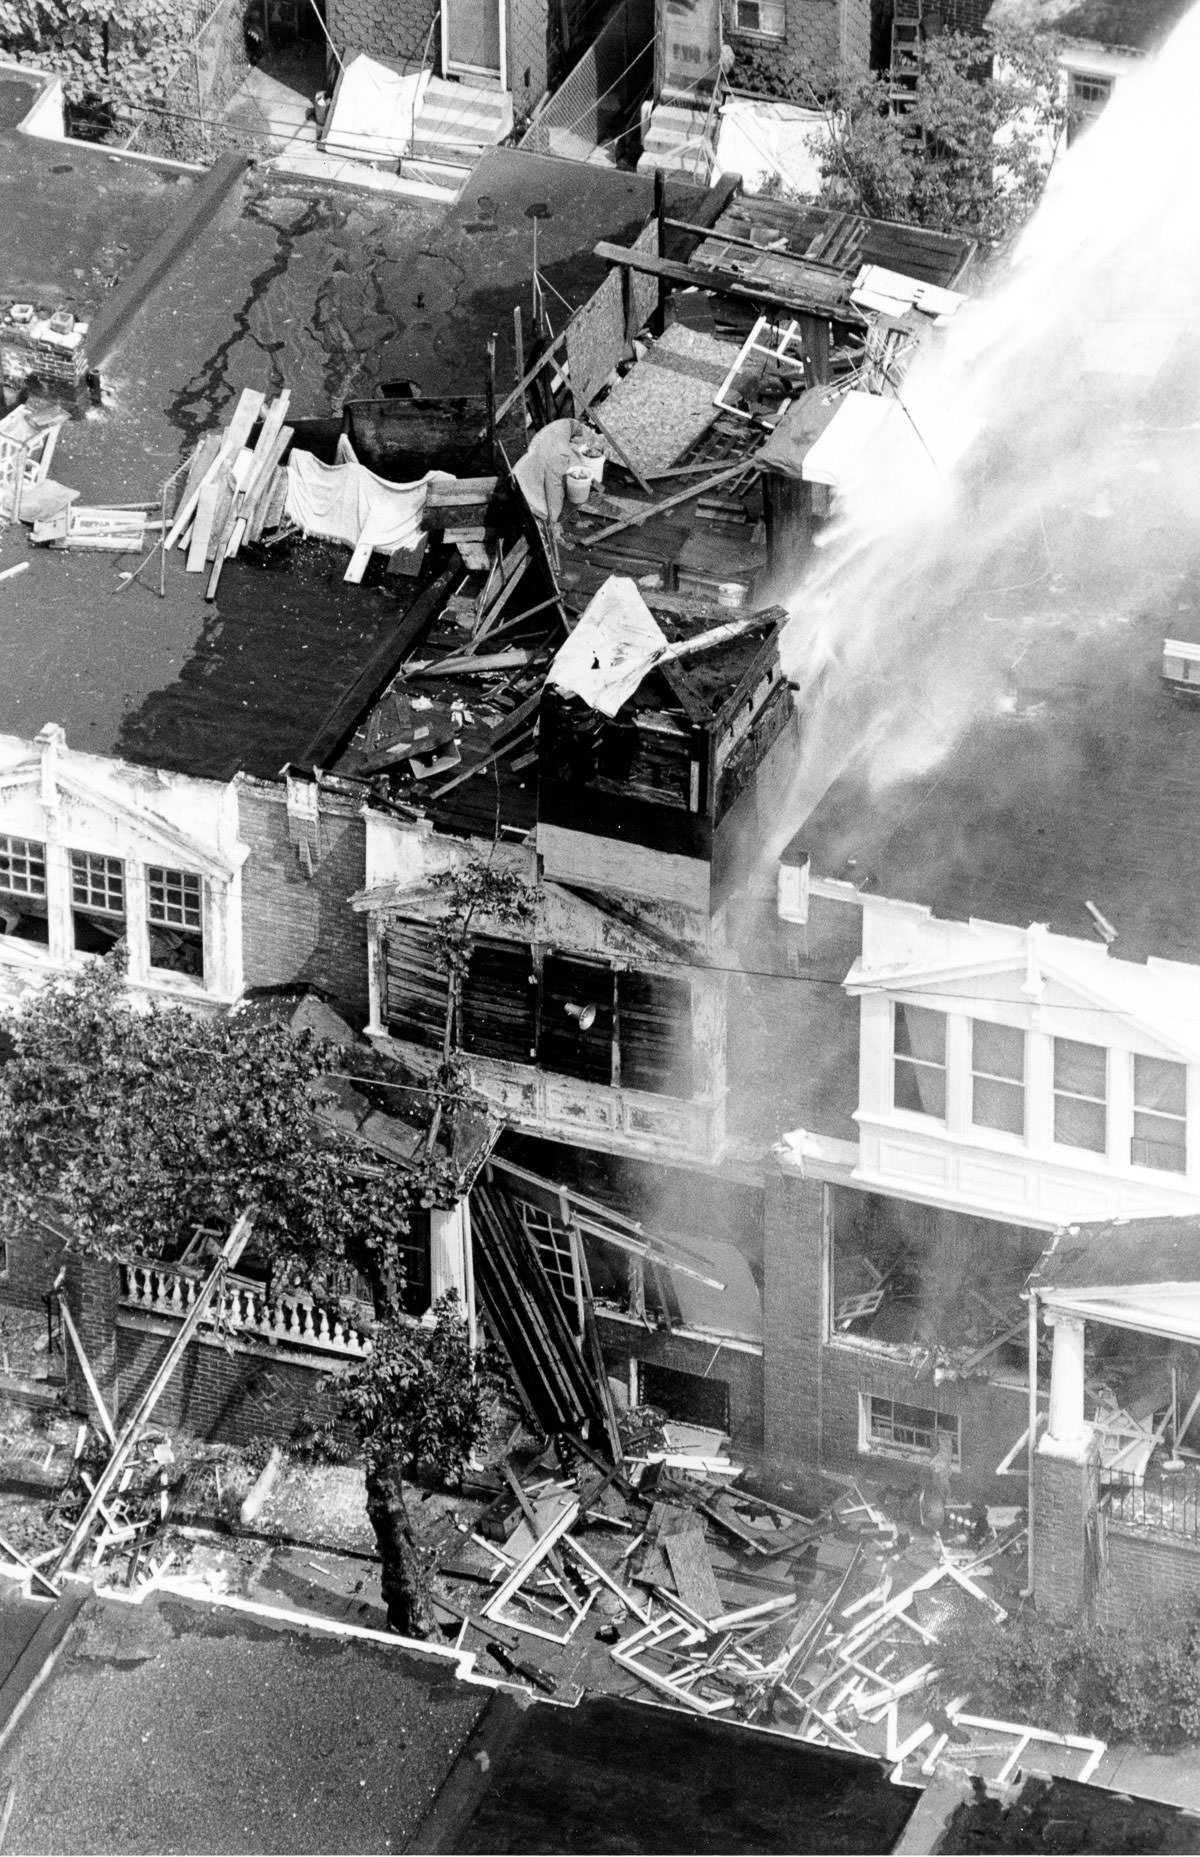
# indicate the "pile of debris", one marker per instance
pixel 700 1592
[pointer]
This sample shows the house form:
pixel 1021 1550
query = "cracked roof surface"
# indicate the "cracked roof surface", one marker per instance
pixel 328 293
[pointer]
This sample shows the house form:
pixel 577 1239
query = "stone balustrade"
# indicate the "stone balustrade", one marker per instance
pixel 241 1309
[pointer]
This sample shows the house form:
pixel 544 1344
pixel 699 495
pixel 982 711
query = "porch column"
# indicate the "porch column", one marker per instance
pixel 1066 1434
pixel 450 1257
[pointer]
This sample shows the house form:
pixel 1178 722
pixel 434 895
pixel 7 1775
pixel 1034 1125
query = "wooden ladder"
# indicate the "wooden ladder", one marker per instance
pixel 905 70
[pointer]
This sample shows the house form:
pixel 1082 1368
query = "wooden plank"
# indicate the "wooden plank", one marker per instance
pixel 258 505
pixel 691 1568
pixel 202 528
pixel 530 375
pixel 745 289
pixel 358 562
pixel 635 520
pixel 234 437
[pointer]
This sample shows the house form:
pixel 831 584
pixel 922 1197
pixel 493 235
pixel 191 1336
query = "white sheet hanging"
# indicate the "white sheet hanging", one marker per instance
pixel 345 502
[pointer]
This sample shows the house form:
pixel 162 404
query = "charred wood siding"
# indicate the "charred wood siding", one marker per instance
pixel 655 1033
pixel 498 1016
pixel 564 1045
pixel 418 988
pixel 525 1004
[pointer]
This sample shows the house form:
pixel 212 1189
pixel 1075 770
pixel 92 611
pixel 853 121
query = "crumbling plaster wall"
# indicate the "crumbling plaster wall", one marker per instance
pixel 822 38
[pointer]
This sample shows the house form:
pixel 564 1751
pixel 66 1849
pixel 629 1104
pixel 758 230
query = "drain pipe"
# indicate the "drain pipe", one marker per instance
pixel 1032 1351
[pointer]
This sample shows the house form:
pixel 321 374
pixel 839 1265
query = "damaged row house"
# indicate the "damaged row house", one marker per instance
pixel 774 1143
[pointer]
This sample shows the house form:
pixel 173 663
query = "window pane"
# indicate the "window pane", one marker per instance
pixel 921 1033
pixel 999 1105
pixel 173 898
pixel 1159 1141
pixel 1158 1084
pixel 22 866
pixel 1079 1124
pixel 1080 1069
pixel 921 1088
pixel 998 1051
pixel 97 882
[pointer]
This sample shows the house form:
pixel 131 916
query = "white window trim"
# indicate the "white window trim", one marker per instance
pixel 1038 1141
pixel 759 32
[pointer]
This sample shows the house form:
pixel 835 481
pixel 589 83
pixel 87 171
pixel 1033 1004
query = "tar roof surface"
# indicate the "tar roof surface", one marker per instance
pixel 327 294
pixel 175 1727
pixel 1122 1251
pixel 76 221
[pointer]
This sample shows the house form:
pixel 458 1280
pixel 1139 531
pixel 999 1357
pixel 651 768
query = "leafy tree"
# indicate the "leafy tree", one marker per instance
pixel 117 53
pixel 972 152
pixel 134 1126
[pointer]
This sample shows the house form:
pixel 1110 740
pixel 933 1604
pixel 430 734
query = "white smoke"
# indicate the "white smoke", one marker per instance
pixel 1046 463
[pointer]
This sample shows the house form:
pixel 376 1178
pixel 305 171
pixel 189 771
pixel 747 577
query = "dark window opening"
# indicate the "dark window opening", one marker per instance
pixel 576 1035
pixel 175 920
pixel 97 902
pixel 23 889
pixel 688 1398
pixel 655 1033
pixel 416 985
pixel 498 1003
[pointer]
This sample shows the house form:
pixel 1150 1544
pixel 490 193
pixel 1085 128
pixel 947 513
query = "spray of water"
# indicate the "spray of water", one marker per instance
pixel 1045 462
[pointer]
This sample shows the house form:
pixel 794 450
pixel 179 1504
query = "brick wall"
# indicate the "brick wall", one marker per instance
pixel 822 38
pixel 1061 1500
pixel 812 1387
pixel 297 927
pixel 92 1289
pixel 1145 1569
pixel 34 1260
pixel 255 1392
pixel 622 1343
pixel 793 1298
pixel 383 28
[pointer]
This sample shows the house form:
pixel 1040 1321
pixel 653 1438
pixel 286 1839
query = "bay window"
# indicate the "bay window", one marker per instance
pixel 1159 1115
pixel 997 1077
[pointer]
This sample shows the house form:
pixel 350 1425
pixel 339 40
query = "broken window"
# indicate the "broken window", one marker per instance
pixel 175 920
pixel 654 1018
pixel 97 902
pixel 23 911
pixel 998 1077
pixel 1080 1094
pixel 688 1398
pixel 908 1431
pixel 576 1034
pixel 416 985
pixel 944 1287
pixel 498 1001
pixel 766 17
pixel 920 1060
pixel 1159 1115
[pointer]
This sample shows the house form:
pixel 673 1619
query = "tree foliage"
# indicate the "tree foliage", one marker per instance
pixel 136 1126
pixel 972 152
pixel 119 53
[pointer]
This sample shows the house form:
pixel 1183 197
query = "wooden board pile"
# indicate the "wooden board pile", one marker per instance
pixel 234 493
pixel 131 1515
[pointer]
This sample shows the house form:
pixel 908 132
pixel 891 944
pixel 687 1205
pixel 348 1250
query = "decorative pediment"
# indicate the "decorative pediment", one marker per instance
pixel 173 845
pixel 1041 977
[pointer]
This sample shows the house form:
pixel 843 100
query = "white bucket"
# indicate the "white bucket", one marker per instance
pixel 593 462
pixel 578 483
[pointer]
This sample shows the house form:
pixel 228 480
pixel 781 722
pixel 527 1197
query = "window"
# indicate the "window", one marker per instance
pixel 97 901
pixel 997 1077
pixel 1159 1115
pixel 175 919
pixel 909 1431
pixel 768 17
pixel 920 1060
pixel 1080 1095
pixel 22 866
pixel 553 1242
pixel 1087 95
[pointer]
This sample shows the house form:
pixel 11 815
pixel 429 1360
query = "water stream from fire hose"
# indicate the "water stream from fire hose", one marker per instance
pixel 1040 472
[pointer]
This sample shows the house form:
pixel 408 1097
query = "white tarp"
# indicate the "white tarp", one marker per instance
pixel 894 293
pixel 838 455
pixel 374 110
pixel 345 502
pixel 767 141
pixel 611 649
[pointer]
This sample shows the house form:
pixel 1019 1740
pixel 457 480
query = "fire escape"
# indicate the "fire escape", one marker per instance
pixel 905 69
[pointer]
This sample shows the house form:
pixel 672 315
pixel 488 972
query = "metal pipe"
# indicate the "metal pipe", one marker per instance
pixel 1033 1427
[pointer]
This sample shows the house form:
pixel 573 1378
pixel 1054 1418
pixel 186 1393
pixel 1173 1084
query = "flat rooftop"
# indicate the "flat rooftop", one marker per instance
pixel 329 293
